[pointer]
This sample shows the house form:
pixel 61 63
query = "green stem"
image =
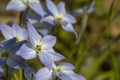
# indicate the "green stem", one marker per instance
pixel 15 77
pixel 83 27
pixel 113 60
pixel 22 18
pixel 20 74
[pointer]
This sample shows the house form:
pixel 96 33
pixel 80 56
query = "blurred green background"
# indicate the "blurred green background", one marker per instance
pixel 92 56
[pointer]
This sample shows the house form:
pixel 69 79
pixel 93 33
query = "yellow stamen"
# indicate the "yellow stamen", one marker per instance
pixel 5 54
pixel 17 39
pixel 38 48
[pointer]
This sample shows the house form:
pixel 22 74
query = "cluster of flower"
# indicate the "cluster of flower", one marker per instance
pixel 22 44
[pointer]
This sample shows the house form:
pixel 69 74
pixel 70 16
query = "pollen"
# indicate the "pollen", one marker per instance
pixel 17 39
pixel 58 70
pixel 5 54
pixel 38 48
pixel 59 19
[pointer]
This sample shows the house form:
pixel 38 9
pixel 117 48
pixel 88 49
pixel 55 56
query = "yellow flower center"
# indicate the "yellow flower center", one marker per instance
pixel 57 70
pixel 38 48
pixel 17 39
pixel 5 54
pixel 58 19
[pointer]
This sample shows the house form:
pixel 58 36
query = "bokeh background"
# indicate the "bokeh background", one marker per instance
pixel 91 57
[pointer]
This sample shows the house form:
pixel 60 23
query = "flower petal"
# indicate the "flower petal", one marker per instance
pixel 16 61
pixel 16 5
pixel 8 43
pixel 66 66
pixel 46 59
pixel 26 52
pixel 37 7
pixel 48 19
pixel 68 27
pixel 75 76
pixel 51 7
pixel 21 33
pixel 55 56
pixel 63 76
pixel 15 47
pixel 34 36
pixel 6 31
pixel 48 41
pixel 69 18
pixel 61 8
pixel 44 74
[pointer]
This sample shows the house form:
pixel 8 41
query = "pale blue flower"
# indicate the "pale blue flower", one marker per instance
pixel 41 47
pixel 59 16
pixel 8 55
pixel 14 31
pixel 64 71
pixel 87 9
pixel 22 5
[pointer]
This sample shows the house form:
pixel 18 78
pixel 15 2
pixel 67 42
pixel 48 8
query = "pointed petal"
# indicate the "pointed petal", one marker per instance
pixel 51 7
pixel 15 47
pixel 7 44
pixel 20 33
pixel 67 66
pixel 48 19
pixel 16 5
pixel 6 31
pixel 61 8
pixel 16 29
pixel 48 41
pixel 37 7
pixel 33 34
pixel 75 76
pixel 69 18
pixel 46 59
pixel 63 76
pixel 44 74
pixel 16 62
pixel 68 27
pixel 55 56
pixel 26 52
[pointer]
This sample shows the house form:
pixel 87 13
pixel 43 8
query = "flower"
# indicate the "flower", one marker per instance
pixel 59 16
pixel 62 71
pixel 14 31
pixel 22 5
pixel 8 55
pixel 87 9
pixel 41 47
